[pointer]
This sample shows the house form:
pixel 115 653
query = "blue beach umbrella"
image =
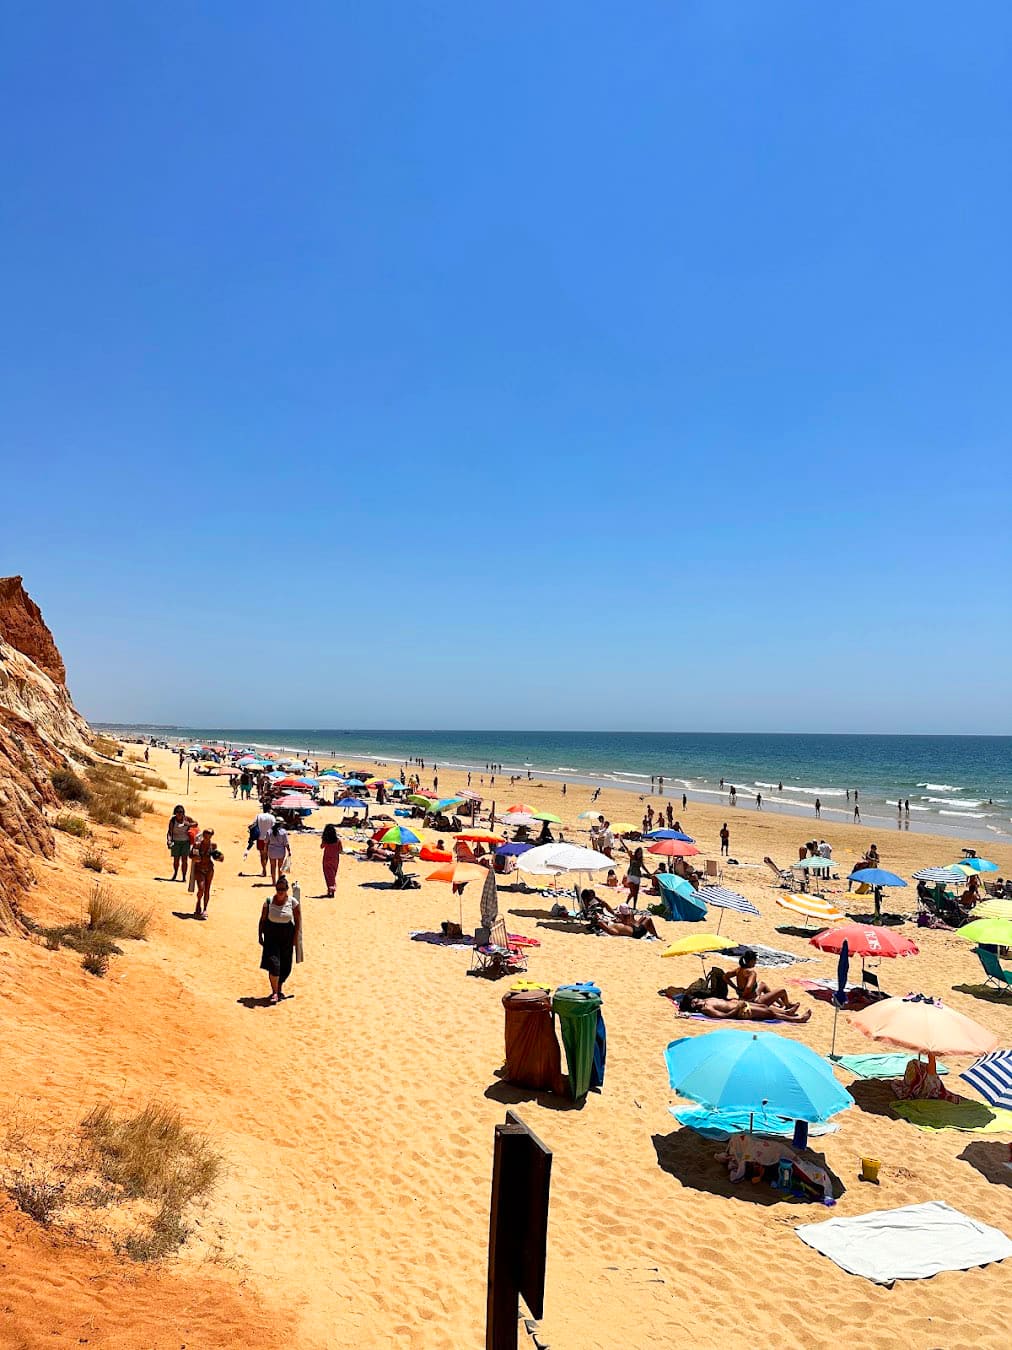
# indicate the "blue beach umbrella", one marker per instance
pixel 351 804
pixel 876 876
pixel 354 782
pixel 512 850
pixel 670 834
pixel 978 864
pixel 739 1070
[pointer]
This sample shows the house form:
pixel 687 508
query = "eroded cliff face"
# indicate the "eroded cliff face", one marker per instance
pixel 40 730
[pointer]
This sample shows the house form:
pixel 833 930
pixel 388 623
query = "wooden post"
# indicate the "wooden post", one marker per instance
pixel 518 1230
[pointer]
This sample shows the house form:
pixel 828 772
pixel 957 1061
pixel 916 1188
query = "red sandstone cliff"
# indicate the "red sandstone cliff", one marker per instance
pixel 40 730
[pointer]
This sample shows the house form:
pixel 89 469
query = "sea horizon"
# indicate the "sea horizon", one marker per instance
pixel 956 785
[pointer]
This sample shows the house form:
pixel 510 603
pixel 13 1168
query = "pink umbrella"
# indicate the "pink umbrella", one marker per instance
pixel 295 801
pixel 919 1023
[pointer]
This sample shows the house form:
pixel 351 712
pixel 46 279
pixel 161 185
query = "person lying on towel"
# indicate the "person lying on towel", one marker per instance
pixel 739 1010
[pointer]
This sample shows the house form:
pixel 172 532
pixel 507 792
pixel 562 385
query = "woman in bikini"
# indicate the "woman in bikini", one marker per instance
pixel 739 1010
pixel 754 990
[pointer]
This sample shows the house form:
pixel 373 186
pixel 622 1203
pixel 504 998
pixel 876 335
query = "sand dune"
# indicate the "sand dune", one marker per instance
pixel 356 1120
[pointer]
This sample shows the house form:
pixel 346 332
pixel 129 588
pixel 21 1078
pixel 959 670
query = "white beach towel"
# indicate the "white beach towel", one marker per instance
pixel 911 1243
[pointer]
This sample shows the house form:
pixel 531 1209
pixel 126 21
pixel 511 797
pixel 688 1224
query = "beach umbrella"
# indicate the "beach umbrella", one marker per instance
pixel 978 865
pixel 669 834
pixel 815 864
pixel 876 876
pixel 864 940
pixel 515 821
pixel 351 804
pixel 987 932
pixel 547 815
pixel 564 858
pixel 355 782
pixel 468 795
pixel 992 1077
pixel 945 876
pixel 722 898
pixel 589 815
pixel 522 808
pixel 489 900
pixel 739 1070
pixel 698 943
pixel 840 992
pixel 395 785
pixel 619 826
pixel 673 848
pixel 416 799
pixel 512 850
pixel 920 1023
pixel 396 834
pixel 479 837
pixel 331 773
pixel 294 801
pixel 992 908
pixel 444 804
pixel 811 906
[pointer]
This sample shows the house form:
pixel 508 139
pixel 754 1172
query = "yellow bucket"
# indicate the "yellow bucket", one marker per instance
pixel 869 1169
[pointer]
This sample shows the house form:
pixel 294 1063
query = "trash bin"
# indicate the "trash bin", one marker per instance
pixel 578 1008
pixel 533 1058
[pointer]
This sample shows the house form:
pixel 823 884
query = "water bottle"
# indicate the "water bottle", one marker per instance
pixel 296 892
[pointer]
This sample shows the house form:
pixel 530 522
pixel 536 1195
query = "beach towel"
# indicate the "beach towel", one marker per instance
pixel 879 1066
pixel 912 1243
pixel 972 1117
pixel 769 957
pixel 441 940
pixel 722 1124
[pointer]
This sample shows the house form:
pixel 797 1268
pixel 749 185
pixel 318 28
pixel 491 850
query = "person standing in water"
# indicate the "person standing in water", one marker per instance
pixel 758 801
pixel 818 808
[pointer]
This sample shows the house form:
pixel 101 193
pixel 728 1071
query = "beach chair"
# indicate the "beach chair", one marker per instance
pixel 712 870
pixel 493 952
pixel 785 877
pixel 994 970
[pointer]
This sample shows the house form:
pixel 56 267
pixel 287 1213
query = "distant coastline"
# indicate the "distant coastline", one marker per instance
pixel 956 786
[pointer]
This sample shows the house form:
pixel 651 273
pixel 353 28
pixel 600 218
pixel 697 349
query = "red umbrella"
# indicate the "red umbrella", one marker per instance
pixel 865 940
pixel 674 848
pixel 293 783
pixel 522 808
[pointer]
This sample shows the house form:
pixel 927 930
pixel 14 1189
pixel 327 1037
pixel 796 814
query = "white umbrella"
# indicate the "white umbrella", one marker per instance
pixel 553 858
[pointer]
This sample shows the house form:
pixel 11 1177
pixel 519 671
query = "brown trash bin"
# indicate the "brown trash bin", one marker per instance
pixel 533 1058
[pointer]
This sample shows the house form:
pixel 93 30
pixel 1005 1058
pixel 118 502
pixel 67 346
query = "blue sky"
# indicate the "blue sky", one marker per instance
pixel 512 365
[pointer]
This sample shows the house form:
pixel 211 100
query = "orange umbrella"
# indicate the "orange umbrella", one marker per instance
pixel 457 873
pixel 919 1023
pixel 480 836
pixel 522 808
pixel 674 848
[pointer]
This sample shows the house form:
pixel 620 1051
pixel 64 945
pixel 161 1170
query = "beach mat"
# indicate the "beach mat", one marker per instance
pixel 722 1124
pixel 972 1117
pixel 879 1066
pixel 912 1243
pixel 770 958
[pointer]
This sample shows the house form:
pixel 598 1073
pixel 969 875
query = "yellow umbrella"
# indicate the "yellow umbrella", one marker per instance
pixel 623 827
pixel 992 908
pixel 697 943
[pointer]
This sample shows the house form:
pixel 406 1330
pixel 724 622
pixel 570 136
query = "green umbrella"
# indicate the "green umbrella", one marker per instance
pixel 399 834
pixel 417 800
pixel 547 815
pixel 988 932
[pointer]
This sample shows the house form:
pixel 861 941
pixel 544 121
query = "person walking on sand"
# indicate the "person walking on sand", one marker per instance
pixel 818 808
pixel 669 813
pixel 330 843
pixel 278 934
pixel 725 839
pixel 278 849
pixel 205 855
pixel 685 801
pixel 178 839
pixel 264 823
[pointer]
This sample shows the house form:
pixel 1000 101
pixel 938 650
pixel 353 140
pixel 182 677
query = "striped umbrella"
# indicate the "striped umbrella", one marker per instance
pixel 947 876
pixel 992 908
pixel 811 907
pixel 992 1077
pixel 722 898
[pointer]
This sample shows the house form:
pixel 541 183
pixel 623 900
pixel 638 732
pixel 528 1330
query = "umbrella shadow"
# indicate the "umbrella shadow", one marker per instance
pixel 530 913
pixel 874 1095
pixel 567 926
pixel 688 1157
pixel 990 1160
pixel 510 1094
pixel 883 920
pixel 794 930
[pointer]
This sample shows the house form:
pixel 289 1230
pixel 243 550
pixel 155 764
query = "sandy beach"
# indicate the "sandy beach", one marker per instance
pixel 356 1118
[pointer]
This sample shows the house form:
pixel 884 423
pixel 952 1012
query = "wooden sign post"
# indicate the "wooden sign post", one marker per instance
pixel 518 1230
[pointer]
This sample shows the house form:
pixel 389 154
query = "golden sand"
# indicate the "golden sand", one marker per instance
pixel 356 1118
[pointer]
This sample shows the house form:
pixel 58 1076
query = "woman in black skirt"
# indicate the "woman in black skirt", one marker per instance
pixel 280 924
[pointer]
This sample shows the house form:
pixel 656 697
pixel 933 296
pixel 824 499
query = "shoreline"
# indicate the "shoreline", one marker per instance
pixel 640 784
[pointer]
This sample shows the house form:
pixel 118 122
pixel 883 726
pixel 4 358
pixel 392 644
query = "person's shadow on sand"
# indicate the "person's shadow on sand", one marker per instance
pixel 251 1001
pixel 183 914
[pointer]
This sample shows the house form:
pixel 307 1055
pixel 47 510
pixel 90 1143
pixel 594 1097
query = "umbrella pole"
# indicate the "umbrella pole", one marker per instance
pixel 720 920
pixel 836 1014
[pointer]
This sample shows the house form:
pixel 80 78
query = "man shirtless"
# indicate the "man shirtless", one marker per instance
pixel 739 1010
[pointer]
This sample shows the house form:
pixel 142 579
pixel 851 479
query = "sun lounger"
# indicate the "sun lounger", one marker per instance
pixel 785 877
pixel 994 970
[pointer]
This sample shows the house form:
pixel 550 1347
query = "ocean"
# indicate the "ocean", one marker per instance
pixel 956 785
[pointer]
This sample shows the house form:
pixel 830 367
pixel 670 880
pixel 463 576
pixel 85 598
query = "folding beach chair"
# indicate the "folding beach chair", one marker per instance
pixel 493 952
pixel 994 970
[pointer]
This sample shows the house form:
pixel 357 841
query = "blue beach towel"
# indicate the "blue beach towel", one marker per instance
pixel 879 1066
pixel 722 1124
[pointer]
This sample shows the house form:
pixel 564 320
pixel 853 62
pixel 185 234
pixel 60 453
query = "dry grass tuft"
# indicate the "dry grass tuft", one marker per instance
pixel 95 963
pixel 69 786
pixel 93 859
pixel 105 745
pixel 112 917
pixel 68 823
pixel 113 795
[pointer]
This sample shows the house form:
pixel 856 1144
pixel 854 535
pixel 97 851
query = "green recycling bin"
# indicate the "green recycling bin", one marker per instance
pixel 577 1011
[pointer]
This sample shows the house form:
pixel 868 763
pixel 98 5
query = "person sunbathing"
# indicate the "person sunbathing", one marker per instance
pixel 754 990
pixel 632 923
pixel 739 1010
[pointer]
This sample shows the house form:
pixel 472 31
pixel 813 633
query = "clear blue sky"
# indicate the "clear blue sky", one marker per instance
pixel 513 365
